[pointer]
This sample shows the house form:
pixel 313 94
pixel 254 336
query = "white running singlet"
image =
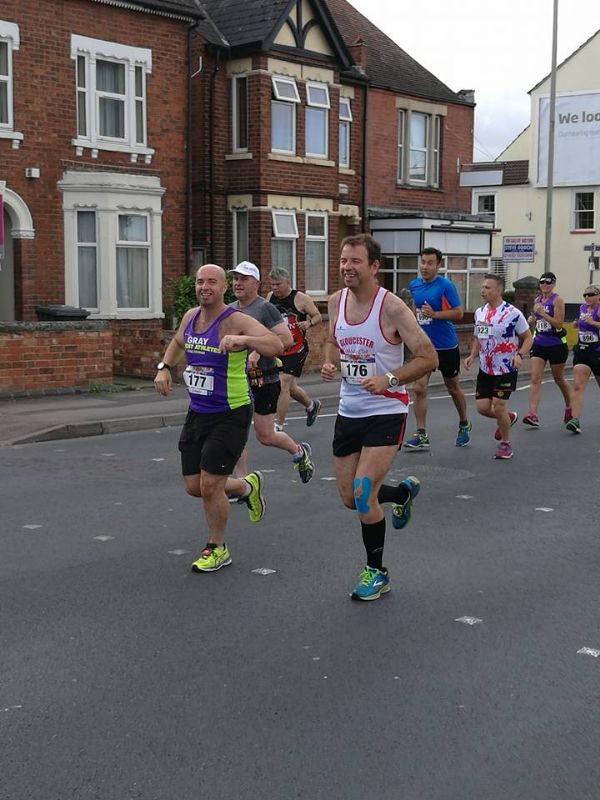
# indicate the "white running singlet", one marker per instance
pixel 365 352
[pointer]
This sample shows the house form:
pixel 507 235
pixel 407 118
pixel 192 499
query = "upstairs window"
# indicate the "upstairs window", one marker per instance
pixel 283 115
pixel 317 119
pixel 111 104
pixel 418 148
pixel 239 106
pixel 9 42
pixel 485 205
pixel 584 212
pixel 344 130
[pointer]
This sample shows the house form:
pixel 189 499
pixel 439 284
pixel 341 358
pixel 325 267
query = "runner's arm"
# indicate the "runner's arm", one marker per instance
pixel 306 305
pixel 252 335
pixel 332 353
pixel 175 351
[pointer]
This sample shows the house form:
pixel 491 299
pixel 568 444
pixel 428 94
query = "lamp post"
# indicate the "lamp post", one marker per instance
pixel 551 125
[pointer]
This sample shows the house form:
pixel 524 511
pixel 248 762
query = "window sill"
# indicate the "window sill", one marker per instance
pixel 584 231
pixel 418 186
pixel 282 157
pixel 16 137
pixel 238 156
pixel 346 171
pixel 321 162
pixel 114 147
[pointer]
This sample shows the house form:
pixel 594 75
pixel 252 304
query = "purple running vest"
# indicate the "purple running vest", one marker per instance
pixel 215 381
pixel 545 333
pixel 588 336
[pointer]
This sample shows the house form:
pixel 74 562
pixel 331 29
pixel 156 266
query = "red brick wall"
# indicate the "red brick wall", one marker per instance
pixel 54 355
pixel 138 347
pixel 44 111
pixel 456 143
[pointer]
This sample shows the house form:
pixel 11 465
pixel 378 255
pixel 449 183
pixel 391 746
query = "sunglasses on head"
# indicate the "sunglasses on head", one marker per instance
pixel 590 294
pixel 546 280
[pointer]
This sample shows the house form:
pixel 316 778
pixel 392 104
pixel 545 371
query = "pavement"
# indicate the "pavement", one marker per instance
pixel 131 404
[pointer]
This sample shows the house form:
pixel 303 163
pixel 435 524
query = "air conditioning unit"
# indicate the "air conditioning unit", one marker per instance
pixel 32 172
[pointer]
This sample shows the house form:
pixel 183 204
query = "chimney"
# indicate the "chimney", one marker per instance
pixel 359 52
pixel 468 95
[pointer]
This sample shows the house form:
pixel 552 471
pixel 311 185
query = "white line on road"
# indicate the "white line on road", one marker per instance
pixel 32 527
pixel 544 508
pixel 104 538
pixel 469 620
pixel 464 496
pixel 264 571
pixel 589 651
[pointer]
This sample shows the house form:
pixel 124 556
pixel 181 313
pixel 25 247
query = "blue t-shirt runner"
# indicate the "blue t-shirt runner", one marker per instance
pixel 441 294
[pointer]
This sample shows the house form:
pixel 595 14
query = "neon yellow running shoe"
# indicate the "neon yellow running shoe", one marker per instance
pixel 255 500
pixel 212 558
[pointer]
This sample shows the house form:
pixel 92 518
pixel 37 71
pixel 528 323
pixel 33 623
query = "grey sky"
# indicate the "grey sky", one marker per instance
pixel 499 49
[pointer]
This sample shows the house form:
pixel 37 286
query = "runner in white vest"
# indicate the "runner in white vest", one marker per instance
pixel 367 329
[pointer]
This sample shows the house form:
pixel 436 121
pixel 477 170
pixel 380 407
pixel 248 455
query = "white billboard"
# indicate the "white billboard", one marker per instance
pixel 576 139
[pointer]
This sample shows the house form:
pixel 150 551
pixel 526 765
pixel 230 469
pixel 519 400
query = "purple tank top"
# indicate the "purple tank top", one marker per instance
pixel 588 336
pixel 215 381
pixel 546 334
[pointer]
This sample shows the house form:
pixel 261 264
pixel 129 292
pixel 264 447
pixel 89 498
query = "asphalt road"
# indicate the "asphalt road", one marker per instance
pixel 124 676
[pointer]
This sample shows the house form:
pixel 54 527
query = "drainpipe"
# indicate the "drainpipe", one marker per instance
pixel 189 160
pixel 211 187
pixel 364 161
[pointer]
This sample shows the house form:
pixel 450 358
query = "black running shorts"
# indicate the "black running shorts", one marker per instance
pixel 265 398
pixel 352 434
pixel 214 442
pixel 591 358
pixel 553 353
pixel 498 386
pixel 294 363
pixel 449 362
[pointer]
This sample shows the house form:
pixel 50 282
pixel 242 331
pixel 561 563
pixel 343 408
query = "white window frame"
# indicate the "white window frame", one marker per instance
pixel 432 149
pixel 134 59
pixel 322 108
pixel 9 35
pixel 281 100
pixel 109 195
pixel 237 215
pixel 134 244
pixel 235 138
pixel 279 81
pixel 277 232
pixel 78 246
pixel 325 240
pixel 345 123
pixel 476 198
pixel 575 211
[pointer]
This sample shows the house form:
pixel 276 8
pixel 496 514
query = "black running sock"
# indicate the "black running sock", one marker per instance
pixel 373 539
pixel 393 494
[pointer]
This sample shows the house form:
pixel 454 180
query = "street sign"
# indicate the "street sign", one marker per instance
pixel 518 248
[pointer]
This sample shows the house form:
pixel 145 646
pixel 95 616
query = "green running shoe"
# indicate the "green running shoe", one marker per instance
pixel 372 583
pixel 255 500
pixel 304 464
pixel 212 558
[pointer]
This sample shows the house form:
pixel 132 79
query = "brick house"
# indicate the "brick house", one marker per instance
pixel 93 160
pixel 141 138
pixel 325 127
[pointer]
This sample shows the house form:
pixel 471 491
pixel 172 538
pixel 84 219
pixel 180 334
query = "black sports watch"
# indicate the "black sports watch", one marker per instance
pixel 392 379
pixel 163 365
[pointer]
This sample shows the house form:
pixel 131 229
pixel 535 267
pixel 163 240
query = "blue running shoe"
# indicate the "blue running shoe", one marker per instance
pixel 402 512
pixel 372 583
pixel 463 437
pixel 418 441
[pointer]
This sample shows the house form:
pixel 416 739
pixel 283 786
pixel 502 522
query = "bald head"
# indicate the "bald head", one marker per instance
pixel 211 285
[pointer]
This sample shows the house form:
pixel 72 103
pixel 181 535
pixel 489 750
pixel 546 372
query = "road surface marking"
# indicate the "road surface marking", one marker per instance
pixel 543 508
pixel 469 620
pixel 464 496
pixel 178 552
pixel 104 538
pixel 32 527
pixel 264 571
pixel 589 651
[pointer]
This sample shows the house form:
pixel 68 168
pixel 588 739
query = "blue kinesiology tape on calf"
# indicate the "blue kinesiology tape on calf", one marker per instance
pixel 361 501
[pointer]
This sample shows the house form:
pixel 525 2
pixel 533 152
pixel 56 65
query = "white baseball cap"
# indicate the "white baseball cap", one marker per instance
pixel 247 268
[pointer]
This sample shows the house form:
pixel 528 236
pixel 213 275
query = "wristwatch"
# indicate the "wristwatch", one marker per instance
pixel 162 365
pixel 392 379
